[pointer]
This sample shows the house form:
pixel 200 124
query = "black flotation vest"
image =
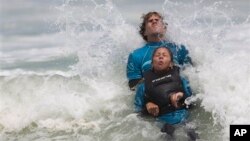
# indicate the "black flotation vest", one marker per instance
pixel 159 86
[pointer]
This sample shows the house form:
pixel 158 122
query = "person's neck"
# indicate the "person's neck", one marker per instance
pixel 156 38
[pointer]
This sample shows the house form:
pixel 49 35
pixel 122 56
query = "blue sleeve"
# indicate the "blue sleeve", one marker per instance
pixel 186 87
pixel 140 98
pixel 133 68
pixel 183 56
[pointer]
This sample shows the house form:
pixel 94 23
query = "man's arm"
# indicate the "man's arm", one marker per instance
pixel 183 56
pixel 186 87
pixel 134 74
pixel 133 82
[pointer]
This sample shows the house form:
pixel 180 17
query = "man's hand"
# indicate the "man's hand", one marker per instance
pixel 152 108
pixel 134 82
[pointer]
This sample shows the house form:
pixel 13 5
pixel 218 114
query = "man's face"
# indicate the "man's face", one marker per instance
pixel 161 59
pixel 154 26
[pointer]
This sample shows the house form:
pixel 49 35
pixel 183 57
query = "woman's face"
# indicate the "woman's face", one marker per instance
pixel 161 59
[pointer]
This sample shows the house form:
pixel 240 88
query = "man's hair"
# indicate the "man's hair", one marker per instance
pixel 145 18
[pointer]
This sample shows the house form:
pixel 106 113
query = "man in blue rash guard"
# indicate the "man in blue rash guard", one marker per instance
pixel 153 31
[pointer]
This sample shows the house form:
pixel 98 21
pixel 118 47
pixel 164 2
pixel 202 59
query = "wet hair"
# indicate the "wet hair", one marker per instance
pixel 170 53
pixel 145 18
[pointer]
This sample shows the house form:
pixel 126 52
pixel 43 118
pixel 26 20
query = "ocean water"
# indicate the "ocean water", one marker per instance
pixel 63 63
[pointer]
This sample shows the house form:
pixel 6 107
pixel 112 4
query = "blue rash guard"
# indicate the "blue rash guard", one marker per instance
pixel 139 61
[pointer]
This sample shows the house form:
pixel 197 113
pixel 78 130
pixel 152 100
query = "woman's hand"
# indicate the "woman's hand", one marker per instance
pixel 152 108
pixel 175 99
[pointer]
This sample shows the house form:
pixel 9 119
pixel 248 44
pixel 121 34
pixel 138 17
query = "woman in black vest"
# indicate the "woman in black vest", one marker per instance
pixel 164 93
pixel 163 84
